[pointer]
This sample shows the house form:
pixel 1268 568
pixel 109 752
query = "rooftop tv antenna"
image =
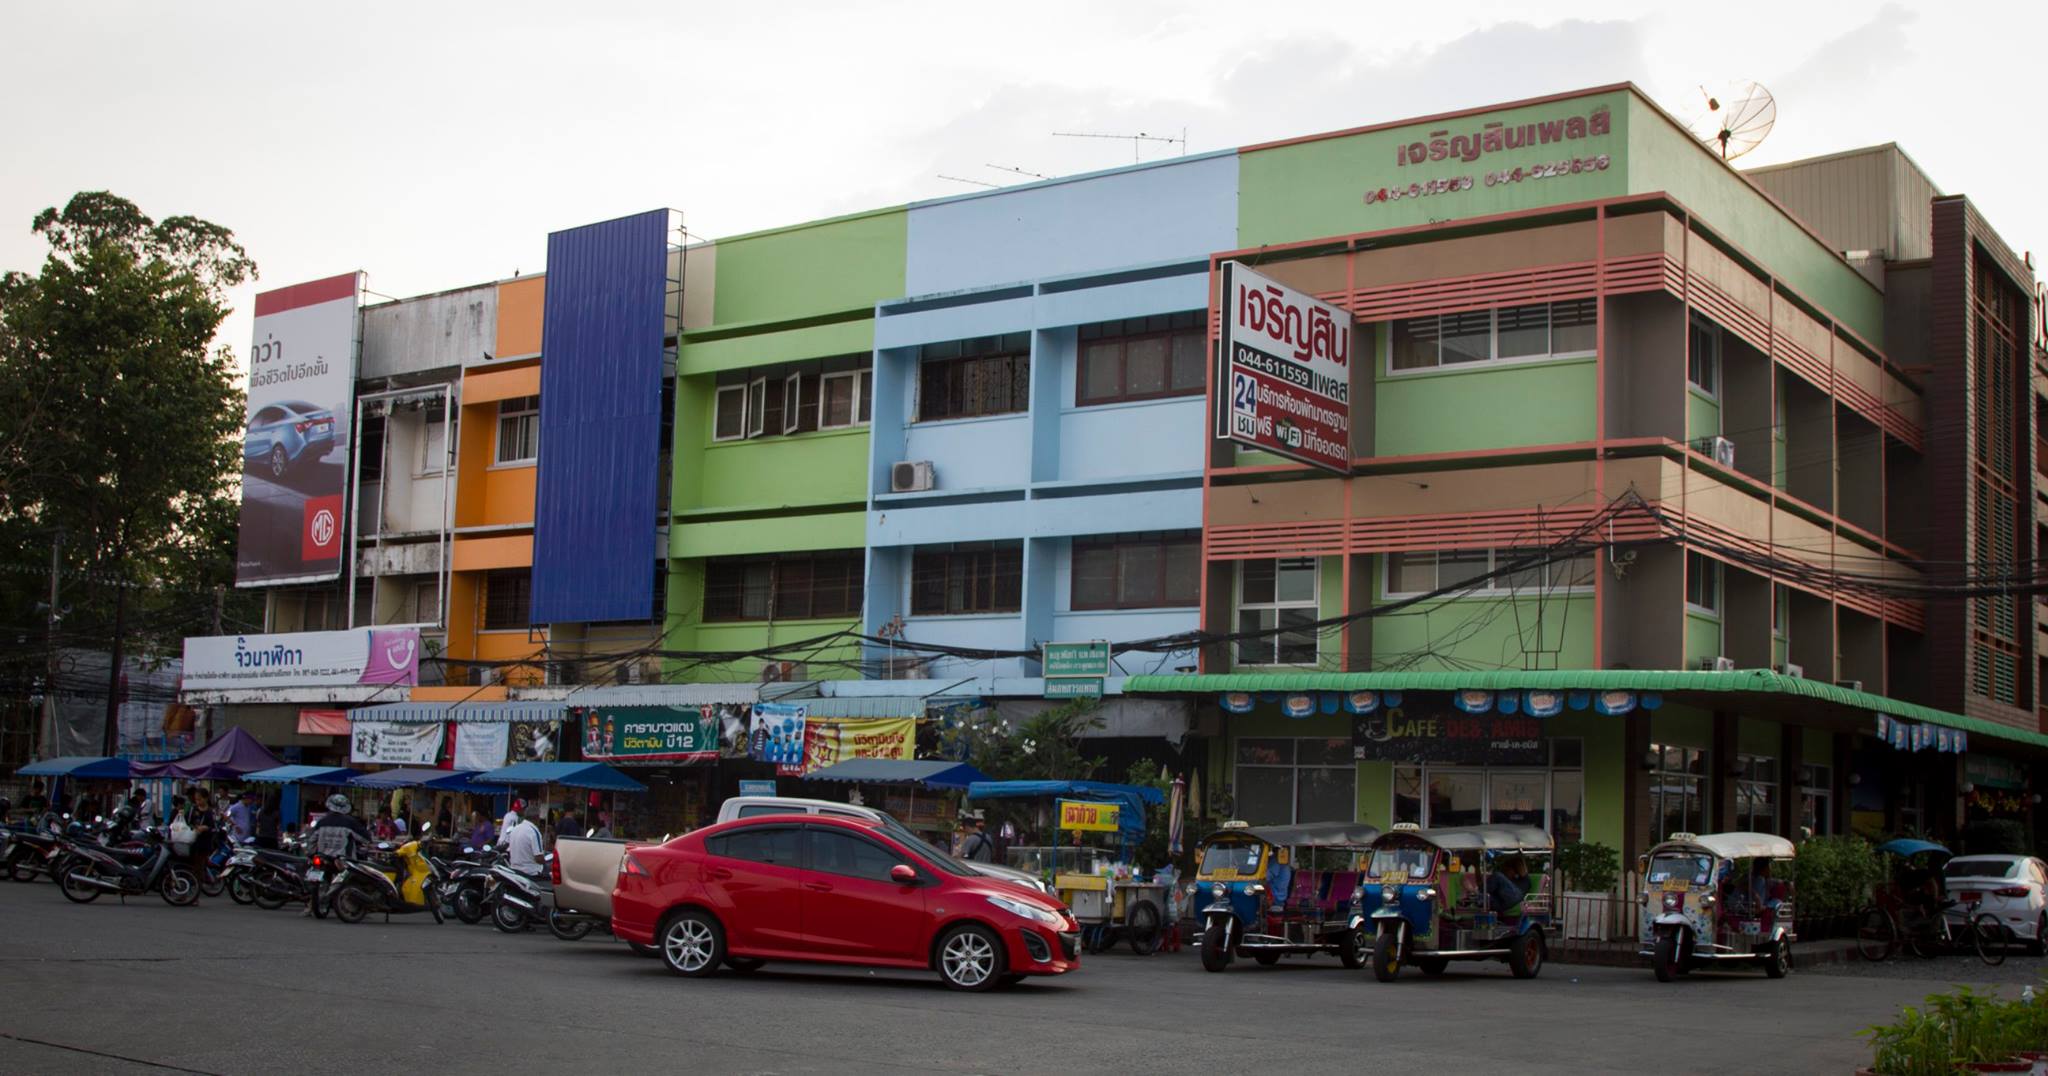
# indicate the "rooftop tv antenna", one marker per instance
pixel 964 179
pixel 1734 118
pixel 1019 171
pixel 1137 141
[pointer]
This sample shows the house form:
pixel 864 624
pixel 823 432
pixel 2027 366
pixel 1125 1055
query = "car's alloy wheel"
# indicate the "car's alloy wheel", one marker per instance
pixel 970 958
pixel 691 945
pixel 278 462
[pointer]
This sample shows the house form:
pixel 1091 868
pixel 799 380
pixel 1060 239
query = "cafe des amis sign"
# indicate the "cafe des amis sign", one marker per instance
pixel 1542 149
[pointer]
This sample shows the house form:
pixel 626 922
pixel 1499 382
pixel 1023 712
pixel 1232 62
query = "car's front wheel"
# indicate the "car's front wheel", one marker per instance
pixel 279 462
pixel 971 958
pixel 692 944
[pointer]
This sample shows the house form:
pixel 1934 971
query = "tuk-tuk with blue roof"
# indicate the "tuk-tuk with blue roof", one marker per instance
pixel 1461 893
pixel 1275 891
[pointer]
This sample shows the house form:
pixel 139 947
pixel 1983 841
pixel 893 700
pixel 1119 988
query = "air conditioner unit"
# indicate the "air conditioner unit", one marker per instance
pixel 1853 685
pixel 488 675
pixel 903 668
pixel 911 476
pixel 1717 664
pixel 1719 449
pixel 1789 669
pixel 782 672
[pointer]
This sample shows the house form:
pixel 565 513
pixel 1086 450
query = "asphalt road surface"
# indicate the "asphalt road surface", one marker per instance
pixel 143 987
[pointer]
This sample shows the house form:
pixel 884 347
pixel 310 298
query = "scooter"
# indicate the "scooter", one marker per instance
pixel 274 877
pixel 362 887
pixel 469 883
pixel 517 900
pixel 90 869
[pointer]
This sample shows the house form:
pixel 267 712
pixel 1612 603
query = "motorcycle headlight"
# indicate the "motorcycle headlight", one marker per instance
pixel 1670 902
pixel 1255 889
pixel 1218 890
pixel 1027 911
pixel 1357 894
pixel 1428 893
pixel 1389 894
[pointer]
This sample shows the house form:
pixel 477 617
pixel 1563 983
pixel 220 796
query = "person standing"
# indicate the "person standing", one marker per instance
pixel 268 818
pixel 481 835
pixel 205 827
pixel 242 817
pixel 979 846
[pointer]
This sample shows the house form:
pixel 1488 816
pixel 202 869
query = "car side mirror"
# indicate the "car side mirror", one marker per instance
pixel 903 874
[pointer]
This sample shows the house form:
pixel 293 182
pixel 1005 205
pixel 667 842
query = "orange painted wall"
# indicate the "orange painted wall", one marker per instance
pixel 484 553
pixel 519 307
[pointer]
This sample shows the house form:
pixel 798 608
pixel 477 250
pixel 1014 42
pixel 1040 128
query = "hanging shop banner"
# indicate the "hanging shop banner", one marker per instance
pixel 776 733
pixel 323 723
pixel 635 734
pixel 481 745
pixel 394 744
pixel 1434 731
pixel 536 741
pixel 1286 371
pixel 302 659
pixel 1088 817
pixel 302 371
pixel 830 742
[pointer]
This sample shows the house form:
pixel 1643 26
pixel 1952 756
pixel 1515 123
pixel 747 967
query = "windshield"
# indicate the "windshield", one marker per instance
pixel 1982 868
pixel 1413 862
pixel 924 848
pixel 1680 867
pixel 1242 859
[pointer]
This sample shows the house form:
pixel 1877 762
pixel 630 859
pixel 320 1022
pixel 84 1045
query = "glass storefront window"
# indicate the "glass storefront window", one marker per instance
pixel 1567 806
pixel 1678 802
pixel 1756 794
pixel 1408 794
pixel 1283 780
pixel 1515 798
pixel 1816 799
pixel 1457 798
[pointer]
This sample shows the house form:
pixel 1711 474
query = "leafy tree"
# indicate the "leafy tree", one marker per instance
pixel 120 427
pixel 1043 747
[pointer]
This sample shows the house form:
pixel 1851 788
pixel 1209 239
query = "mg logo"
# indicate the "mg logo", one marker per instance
pixel 320 535
pixel 323 527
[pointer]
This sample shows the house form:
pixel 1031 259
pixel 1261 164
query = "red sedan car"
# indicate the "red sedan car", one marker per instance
pixel 835 891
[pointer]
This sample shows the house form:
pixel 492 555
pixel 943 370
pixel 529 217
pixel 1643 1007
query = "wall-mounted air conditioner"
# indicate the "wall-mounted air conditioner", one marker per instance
pixel 1719 449
pixel 1717 663
pixel 911 476
pixel 1789 669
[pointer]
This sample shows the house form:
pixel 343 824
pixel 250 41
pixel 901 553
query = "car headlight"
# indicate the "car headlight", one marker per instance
pixel 1026 911
pixel 1218 890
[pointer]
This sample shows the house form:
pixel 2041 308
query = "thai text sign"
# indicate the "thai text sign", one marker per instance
pixel 302 373
pixel 1088 817
pixel 649 734
pixel 1432 733
pixel 302 659
pixel 1077 659
pixel 394 743
pixel 829 742
pixel 1286 371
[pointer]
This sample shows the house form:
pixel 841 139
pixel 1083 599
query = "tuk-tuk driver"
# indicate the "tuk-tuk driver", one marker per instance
pixel 1507 885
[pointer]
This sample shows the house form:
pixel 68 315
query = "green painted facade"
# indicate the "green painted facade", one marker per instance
pixel 1419 413
pixel 1702 638
pixel 845 263
pixel 1702 415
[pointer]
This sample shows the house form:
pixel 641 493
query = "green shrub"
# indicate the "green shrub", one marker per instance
pixel 1836 875
pixel 1994 837
pixel 1956 1029
pixel 1589 867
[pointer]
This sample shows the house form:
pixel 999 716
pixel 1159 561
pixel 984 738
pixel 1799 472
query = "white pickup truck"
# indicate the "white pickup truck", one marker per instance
pixel 589 866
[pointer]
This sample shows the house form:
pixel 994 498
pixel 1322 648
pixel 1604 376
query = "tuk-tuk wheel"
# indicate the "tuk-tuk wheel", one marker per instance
pixel 1351 949
pixel 1779 963
pixel 1266 960
pixel 1214 956
pixel 1386 957
pixel 1666 960
pixel 1525 955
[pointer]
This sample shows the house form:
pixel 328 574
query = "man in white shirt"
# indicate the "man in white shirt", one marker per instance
pixel 522 846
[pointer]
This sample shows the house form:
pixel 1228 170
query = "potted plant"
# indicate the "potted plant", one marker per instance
pixel 1590 871
pixel 1963 1031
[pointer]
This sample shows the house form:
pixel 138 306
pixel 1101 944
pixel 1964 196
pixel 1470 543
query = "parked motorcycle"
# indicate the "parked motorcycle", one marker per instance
pixel 362 887
pixel 516 901
pixel 90 869
pixel 468 883
pixel 32 852
pixel 276 877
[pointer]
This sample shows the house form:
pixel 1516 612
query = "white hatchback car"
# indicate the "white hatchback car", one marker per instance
pixel 2013 888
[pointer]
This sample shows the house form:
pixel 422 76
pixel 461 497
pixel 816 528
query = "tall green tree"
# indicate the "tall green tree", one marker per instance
pixel 120 425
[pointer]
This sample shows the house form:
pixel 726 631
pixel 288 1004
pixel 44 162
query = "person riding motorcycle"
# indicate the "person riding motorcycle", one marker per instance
pixel 131 814
pixel 336 835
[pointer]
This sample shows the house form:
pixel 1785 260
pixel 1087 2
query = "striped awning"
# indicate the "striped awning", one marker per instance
pixel 422 713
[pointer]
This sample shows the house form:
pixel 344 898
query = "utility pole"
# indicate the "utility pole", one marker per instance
pixel 113 733
pixel 220 597
pixel 50 642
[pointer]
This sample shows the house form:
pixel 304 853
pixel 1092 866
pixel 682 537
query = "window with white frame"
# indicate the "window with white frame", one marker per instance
pixel 1412 573
pixel 1285 780
pixel 1702 584
pixel 1756 794
pixel 1703 356
pixel 433 447
pixel 1678 790
pixel 1448 794
pixel 792 398
pixel 1502 335
pixel 729 421
pixel 1817 798
pixel 519 430
pixel 1277 598
pixel 844 399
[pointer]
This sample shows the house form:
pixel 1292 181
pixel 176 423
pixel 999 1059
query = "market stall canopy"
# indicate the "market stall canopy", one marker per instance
pixel 1904 846
pixel 231 754
pixel 1130 799
pixel 422 777
pixel 310 775
pixel 895 771
pixel 591 775
pixel 86 767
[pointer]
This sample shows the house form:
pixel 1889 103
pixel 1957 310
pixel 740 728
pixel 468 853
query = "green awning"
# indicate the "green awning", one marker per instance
pixel 1762 687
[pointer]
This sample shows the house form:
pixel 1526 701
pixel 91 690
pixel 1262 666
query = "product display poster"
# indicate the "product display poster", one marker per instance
pixel 481 745
pixel 776 733
pixel 302 371
pixel 630 734
pixel 1285 377
pixel 395 743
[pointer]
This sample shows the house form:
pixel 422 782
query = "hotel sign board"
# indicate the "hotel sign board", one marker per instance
pixel 1285 377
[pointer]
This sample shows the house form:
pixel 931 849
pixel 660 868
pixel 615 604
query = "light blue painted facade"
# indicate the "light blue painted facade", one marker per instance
pixel 1043 260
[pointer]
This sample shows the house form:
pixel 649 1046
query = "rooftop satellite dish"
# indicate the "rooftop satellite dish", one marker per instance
pixel 1733 119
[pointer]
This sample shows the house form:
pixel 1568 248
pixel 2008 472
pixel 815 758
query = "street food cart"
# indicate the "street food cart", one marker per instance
pixel 1092 872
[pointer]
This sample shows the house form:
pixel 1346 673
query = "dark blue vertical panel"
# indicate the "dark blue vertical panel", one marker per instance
pixel 600 421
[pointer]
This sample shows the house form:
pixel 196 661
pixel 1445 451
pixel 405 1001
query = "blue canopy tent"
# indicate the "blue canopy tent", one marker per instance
pixel 423 777
pixel 1908 847
pixel 894 771
pixel 85 767
pixel 310 775
pixel 591 775
pixel 1130 799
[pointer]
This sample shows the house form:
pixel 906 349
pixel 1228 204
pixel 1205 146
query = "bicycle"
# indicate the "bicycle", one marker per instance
pixel 1879 933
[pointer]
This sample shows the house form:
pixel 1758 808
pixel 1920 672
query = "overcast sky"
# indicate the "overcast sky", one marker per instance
pixel 436 145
